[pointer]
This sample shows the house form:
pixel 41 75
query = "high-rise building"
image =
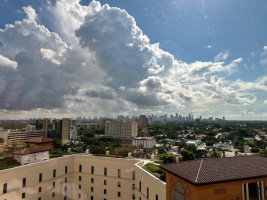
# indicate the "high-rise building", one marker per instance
pixel 120 129
pixel 56 128
pixel 143 121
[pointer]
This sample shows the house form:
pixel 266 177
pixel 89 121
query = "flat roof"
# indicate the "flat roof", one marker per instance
pixel 217 170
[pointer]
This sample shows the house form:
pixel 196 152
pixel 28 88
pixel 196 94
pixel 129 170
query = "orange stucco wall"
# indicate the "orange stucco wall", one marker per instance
pixel 206 192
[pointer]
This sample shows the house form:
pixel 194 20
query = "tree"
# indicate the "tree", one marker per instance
pixel 57 143
pixel 264 153
pixel 2 140
pixel 186 155
pixel 167 158
pixel 254 150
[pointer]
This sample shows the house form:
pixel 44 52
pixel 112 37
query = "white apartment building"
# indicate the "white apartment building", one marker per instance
pixel 144 142
pixel 82 177
pixel 120 129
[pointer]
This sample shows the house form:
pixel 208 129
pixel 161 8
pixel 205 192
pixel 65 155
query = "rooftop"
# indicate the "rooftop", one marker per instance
pixel 38 140
pixel 26 151
pixel 216 170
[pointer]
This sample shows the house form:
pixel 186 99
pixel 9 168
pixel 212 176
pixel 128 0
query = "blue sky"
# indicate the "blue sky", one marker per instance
pixel 219 49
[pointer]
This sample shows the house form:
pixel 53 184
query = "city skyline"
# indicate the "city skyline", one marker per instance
pixel 70 58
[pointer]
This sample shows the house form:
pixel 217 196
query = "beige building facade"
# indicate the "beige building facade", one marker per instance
pixel 121 129
pixel 81 177
pixel 14 135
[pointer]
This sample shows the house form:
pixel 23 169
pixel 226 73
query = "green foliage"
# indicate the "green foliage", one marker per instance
pixel 210 140
pixel 167 158
pixel 186 155
pixel 57 143
pixel 254 150
pixel 264 153
pixel 162 149
pixel 155 170
pixel 2 140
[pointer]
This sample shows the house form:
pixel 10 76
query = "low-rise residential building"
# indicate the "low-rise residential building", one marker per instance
pixel 196 143
pixel 144 142
pixel 241 177
pixel 225 146
pixel 31 155
pixel 247 149
pixel 40 142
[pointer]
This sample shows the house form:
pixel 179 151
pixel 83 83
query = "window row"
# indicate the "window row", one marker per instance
pixel 106 171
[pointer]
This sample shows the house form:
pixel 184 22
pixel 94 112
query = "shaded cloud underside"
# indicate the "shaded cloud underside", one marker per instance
pixel 97 60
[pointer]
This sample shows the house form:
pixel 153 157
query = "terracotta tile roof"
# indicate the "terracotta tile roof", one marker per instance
pixel 217 170
pixel 26 151
pixel 38 140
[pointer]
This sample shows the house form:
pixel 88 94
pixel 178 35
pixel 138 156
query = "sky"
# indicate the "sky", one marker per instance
pixel 69 58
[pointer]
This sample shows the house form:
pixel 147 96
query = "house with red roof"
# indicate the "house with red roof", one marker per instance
pixel 40 142
pixel 227 178
pixel 31 155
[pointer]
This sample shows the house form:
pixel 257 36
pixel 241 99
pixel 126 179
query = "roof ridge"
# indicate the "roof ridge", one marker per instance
pixel 199 169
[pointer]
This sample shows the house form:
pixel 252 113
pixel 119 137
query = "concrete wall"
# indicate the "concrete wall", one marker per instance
pixel 80 187
pixel 148 183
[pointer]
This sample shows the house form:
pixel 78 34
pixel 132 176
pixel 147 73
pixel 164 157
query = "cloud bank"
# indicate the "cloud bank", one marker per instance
pixel 95 60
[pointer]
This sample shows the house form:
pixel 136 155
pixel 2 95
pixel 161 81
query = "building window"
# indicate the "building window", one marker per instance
pixel 219 191
pixel 40 177
pixel 23 195
pixel 65 189
pixel 140 186
pixel 133 196
pixel 92 197
pixel 133 175
pixel 171 181
pixel 92 189
pixel 80 178
pixel 39 198
pixel 119 173
pixel 147 192
pixel 187 191
pixel 80 168
pixel 105 191
pixel 54 173
pixel 105 171
pixel 40 189
pixel 80 187
pixel 105 182
pixel 157 197
pixel 119 194
pixel 92 180
pixel 53 194
pixel 133 186
pixel 66 169
pixel 65 197
pixel 119 184
pixel 179 187
pixel 54 184
pixel 24 182
pixel 79 196
pixel 66 180
pixel 140 198
pixel 92 169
